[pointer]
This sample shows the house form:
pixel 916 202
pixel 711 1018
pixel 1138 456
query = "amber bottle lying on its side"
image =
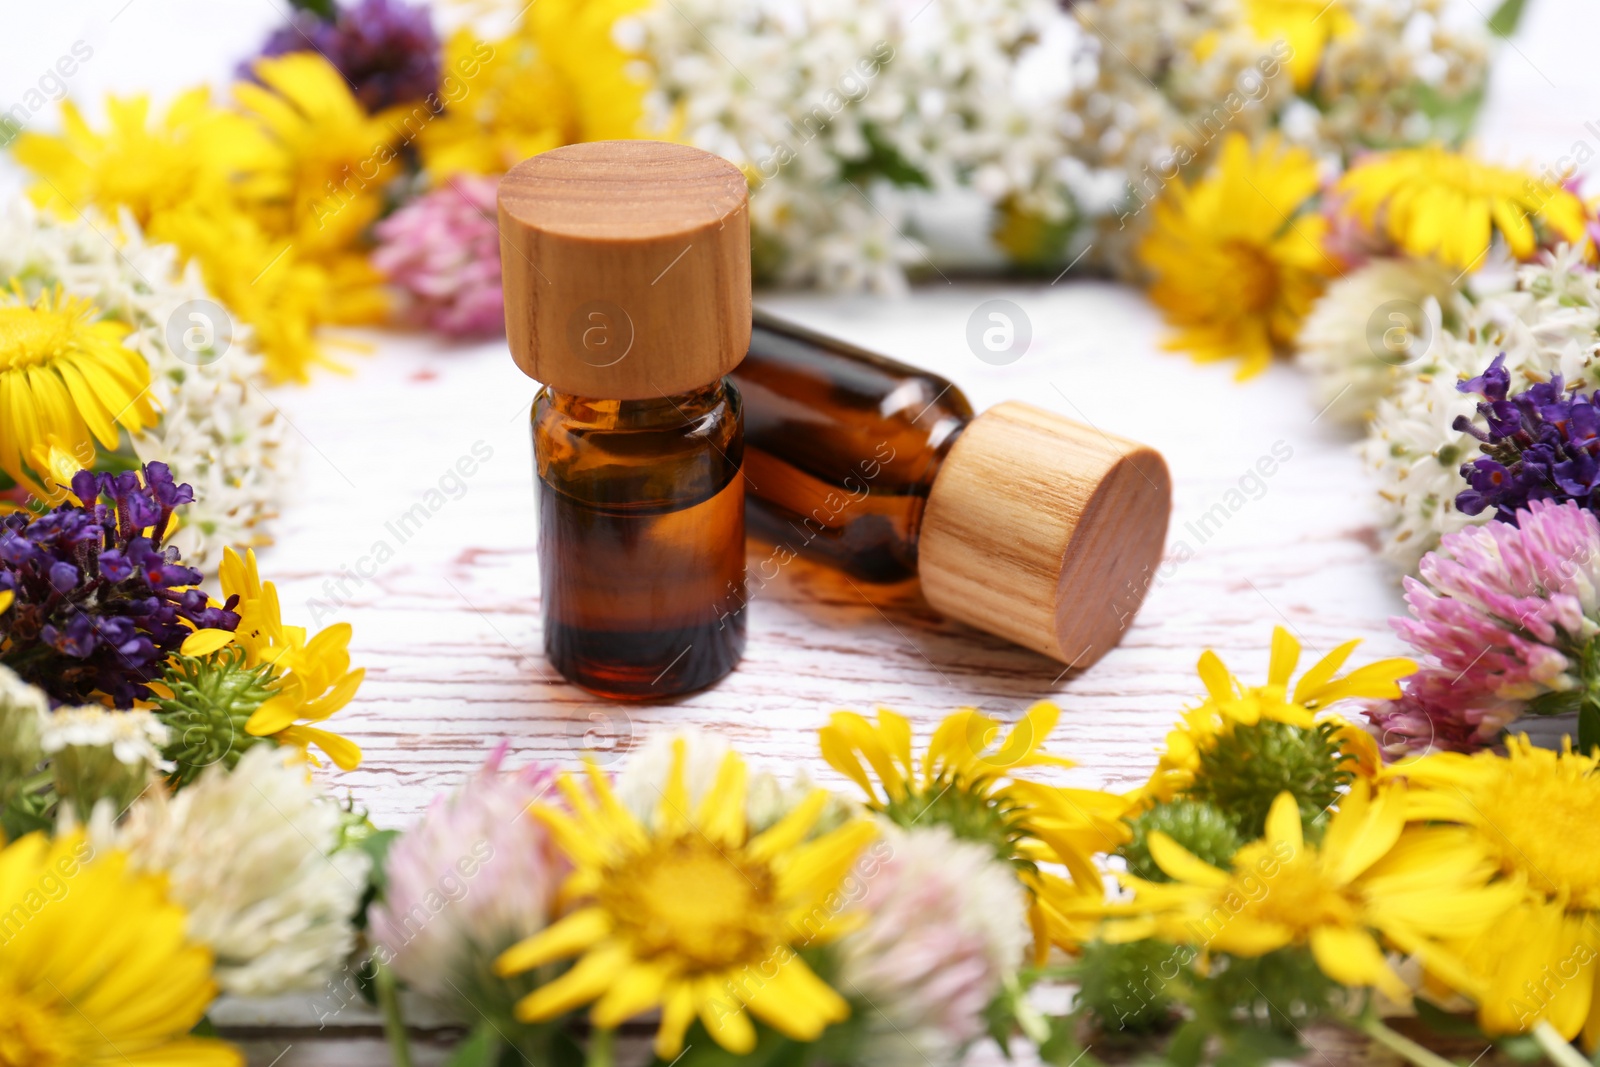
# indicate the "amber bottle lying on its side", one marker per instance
pixel 1018 521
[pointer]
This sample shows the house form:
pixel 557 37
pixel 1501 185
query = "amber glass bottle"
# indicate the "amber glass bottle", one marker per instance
pixel 627 294
pixel 1017 521
pixel 844 445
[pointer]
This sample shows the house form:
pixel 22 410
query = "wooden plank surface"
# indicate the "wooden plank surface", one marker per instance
pixel 447 623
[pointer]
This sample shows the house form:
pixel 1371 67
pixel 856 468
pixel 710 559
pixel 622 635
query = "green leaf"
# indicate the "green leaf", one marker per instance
pixel 1506 17
pixel 1588 726
pixel 1188 1044
pixel 324 9
pixel 1444 1023
pixel 481 1049
pixel 1521 1047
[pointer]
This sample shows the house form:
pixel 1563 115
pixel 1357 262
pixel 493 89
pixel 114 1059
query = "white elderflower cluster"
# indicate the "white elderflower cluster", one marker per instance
pixel 826 103
pixel 218 432
pixel 1548 324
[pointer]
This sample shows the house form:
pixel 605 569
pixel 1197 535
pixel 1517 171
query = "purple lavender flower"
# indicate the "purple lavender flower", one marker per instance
pixel 1541 444
pixel 386 49
pixel 100 604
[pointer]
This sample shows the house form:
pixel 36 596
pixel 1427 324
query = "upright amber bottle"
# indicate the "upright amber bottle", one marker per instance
pixel 1019 522
pixel 627 279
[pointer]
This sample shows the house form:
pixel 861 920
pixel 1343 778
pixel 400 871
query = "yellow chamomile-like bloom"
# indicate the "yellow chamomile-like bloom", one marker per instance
pixel 1371 883
pixel 1229 703
pixel 188 155
pixel 972 784
pixel 95 967
pixel 313 677
pixel 560 77
pixel 692 914
pixel 1435 202
pixel 271 199
pixel 1536 813
pixel 1305 25
pixel 325 186
pixel 66 381
pixel 1235 264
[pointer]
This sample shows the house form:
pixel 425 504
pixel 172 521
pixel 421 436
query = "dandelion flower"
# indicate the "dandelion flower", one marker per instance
pixel 971 781
pixel 103 974
pixel 1369 878
pixel 1536 814
pixel 691 913
pixel 515 107
pixel 1433 201
pixel 1233 267
pixel 64 374
pixel 312 679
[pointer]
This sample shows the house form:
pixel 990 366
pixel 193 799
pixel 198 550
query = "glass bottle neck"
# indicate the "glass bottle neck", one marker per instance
pixel 703 404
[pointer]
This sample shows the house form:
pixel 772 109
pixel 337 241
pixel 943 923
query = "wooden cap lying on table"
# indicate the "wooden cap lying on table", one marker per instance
pixel 627 268
pixel 1044 531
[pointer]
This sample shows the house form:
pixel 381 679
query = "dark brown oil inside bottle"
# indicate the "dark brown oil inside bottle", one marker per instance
pixel 641 539
pixel 841 447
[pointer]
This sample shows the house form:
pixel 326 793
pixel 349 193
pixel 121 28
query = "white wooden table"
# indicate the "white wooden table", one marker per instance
pixel 448 629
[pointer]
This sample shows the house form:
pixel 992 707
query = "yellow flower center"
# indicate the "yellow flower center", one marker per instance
pixel 31 337
pixel 1253 280
pixel 30 1033
pixel 1545 822
pixel 1272 884
pixel 684 902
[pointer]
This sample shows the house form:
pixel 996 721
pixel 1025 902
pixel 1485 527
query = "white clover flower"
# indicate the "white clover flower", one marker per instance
pixel 1357 348
pixel 946 924
pixel 23 709
pixel 253 856
pixel 1549 324
pixel 217 432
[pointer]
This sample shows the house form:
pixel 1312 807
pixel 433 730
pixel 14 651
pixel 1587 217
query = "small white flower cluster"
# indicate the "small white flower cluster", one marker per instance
pixel 134 737
pixel 217 431
pixel 825 103
pixel 253 856
pixel 1548 323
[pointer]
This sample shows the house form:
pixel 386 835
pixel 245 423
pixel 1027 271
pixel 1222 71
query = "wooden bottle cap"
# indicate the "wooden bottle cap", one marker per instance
pixel 627 268
pixel 1044 531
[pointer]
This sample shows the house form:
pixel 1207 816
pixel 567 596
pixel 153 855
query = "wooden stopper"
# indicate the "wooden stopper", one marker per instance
pixel 1044 531
pixel 627 268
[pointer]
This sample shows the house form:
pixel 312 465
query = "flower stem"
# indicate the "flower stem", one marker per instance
pixel 1398 1043
pixel 601 1043
pixel 394 1023
pixel 1557 1049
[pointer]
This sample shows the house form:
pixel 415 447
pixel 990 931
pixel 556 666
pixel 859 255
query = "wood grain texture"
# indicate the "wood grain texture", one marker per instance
pixel 1044 531
pixel 626 267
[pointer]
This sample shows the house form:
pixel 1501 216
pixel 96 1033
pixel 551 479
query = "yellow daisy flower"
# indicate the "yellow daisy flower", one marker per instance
pixel 66 381
pixel 1371 876
pixel 1536 814
pixel 1307 26
pixel 313 678
pixel 692 914
pixel 515 106
pixel 95 967
pixel 6 597
pixel 325 187
pixel 192 150
pixel 1432 201
pixel 1229 703
pixel 971 784
pixel 1234 265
